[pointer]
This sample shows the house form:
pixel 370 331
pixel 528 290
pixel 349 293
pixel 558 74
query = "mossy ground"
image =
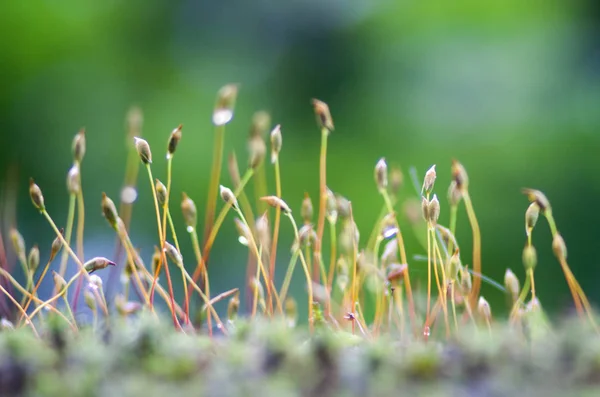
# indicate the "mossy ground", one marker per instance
pixel 143 357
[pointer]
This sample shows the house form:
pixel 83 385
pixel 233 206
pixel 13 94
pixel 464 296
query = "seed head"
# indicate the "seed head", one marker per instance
pixel 261 121
pixel 529 257
pixel 257 150
pixel 343 206
pixel 331 207
pixel 59 283
pixel 396 271
pixel 243 231
pixel 559 247
pixel 109 211
pixel 425 208
pixel 276 202
pixel 189 211
pixel 56 246
pixel 483 308
pixel 276 143
pixel 156 259
pixel 174 139
pixel 447 236
pixel 531 216
pixel 226 97
pixel 173 254
pixel 454 194
pixel 234 171
pixel 228 196
pixel 454 265
pixel 18 243
pixel 433 210
pixel 233 307
pixel 429 180
pixel 306 211
pixel 324 119
pixel 135 119
pixel 511 283
pixel 459 175
pixel 307 236
pixel 97 263
pixel 381 175
pixel 291 312
pixel 161 192
pixel 539 198
pixel 90 299
pixel 78 146
pixel 33 260
pixel 36 196
pixel 466 282
pixel 262 232
pixel 143 149
pixel 74 180
pixel 390 251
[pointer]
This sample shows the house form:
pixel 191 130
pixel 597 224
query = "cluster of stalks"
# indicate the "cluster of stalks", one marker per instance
pixel 337 285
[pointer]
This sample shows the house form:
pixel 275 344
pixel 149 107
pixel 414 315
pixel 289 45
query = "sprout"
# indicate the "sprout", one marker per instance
pixel 174 139
pixel 143 149
pixel 78 146
pixel 324 119
pixel 381 177
pixel 36 196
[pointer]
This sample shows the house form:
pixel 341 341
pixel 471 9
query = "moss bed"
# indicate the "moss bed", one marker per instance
pixel 143 357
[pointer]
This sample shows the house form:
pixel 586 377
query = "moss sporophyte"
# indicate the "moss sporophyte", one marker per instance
pixel 355 282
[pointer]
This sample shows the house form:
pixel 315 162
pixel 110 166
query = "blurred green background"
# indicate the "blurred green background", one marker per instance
pixel 510 88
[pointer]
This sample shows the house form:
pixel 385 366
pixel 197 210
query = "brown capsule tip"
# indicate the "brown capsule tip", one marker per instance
pixel 261 121
pixel 454 194
pixel 529 257
pixel 226 98
pixel 396 271
pixel 537 197
pixel 511 283
pixel 143 149
pixel 429 180
pixel 276 202
pixel 483 307
pixel 161 192
pixel 459 175
pixel 396 179
pixel 559 247
pixel 276 143
pixel 433 210
pixel 174 139
pixel 36 195
pixel 257 150
pixel 306 211
pixel 97 263
pixel 78 146
pixel 109 210
pixel 227 195
pixel 74 180
pixel 323 114
pixel 381 174
pixel 189 211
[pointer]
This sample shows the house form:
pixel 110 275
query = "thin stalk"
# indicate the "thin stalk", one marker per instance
pixel 186 307
pixel 68 231
pixel 20 308
pixel 306 273
pixel 80 228
pixel 276 224
pixel 404 259
pixel 322 198
pixel 162 252
pixel 215 176
pixel 219 221
pixel 288 276
pixel 33 298
pixel 332 260
pixel 200 265
pixel 476 249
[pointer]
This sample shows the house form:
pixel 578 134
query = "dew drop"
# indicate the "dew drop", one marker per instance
pixel 222 116
pixel 390 232
pixel 128 195
pixel 243 240
pixel 190 229
pixel 426 332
